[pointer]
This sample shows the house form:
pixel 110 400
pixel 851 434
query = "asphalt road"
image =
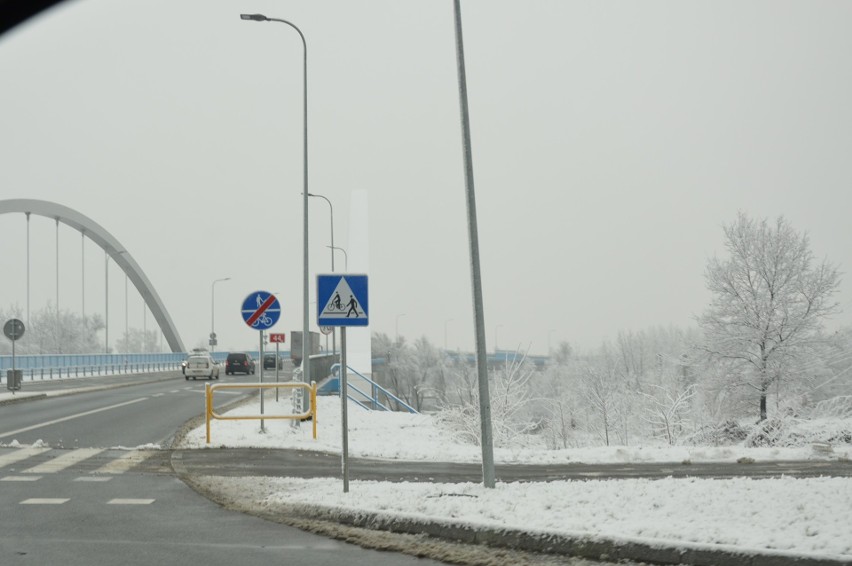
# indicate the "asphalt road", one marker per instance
pixel 75 496
pixel 309 464
pixel 91 479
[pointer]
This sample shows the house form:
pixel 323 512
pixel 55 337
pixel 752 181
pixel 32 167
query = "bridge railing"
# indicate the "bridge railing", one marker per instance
pixel 63 366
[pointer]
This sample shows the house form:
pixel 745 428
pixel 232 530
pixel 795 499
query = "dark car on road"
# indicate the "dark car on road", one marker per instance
pixel 239 362
pixel 269 361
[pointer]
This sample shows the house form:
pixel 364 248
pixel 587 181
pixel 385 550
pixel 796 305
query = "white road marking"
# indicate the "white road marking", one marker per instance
pixel 69 417
pixel 125 462
pixel 93 478
pixel 19 455
pixel 64 461
pixel 21 478
pixel 130 501
pixel 44 501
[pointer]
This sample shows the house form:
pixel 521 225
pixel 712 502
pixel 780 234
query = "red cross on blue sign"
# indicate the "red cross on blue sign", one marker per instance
pixel 261 310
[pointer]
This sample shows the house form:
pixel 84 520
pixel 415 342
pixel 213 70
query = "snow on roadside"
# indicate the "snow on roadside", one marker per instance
pixel 404 436
pixel 808 516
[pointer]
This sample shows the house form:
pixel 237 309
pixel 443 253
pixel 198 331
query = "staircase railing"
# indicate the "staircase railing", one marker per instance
pixel 373 397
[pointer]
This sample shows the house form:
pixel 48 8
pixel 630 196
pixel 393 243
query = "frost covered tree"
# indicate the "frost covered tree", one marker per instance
pixel 512 414
pixel 769 300
pixel 49 331
pixel 137 341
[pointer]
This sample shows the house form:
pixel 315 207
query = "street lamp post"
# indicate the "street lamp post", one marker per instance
pixel 213 312
pixel 345 257
pixel 397 326
pixel 331 213
pixel 486 437
pixel 306 360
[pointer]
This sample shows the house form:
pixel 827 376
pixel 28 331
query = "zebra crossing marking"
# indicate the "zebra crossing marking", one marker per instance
pixel 21 454
pixel 21 478
pixel 125 462
pixel 120 501
pixel 44 501
pixel 93 478
pixel 65 461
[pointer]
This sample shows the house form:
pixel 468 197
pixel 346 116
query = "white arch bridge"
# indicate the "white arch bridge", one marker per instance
pixel 96 233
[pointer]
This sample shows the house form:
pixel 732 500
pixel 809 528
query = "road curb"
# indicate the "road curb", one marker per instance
pixel 22 399
pixel 322 519
pixel 579 545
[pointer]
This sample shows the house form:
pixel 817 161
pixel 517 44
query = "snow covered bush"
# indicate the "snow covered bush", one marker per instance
pixel 511 418
pixel 728 433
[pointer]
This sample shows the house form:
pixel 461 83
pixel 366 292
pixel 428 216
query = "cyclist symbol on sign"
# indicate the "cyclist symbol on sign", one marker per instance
pixel 336 303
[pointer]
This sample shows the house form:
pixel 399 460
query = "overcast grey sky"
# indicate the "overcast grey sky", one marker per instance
pixel 611 141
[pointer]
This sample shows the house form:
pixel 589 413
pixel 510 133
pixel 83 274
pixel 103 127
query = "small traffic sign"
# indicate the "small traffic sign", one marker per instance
pixel 13 329
pixel 261 310
pixel 342 300
pixel 326 329
pixel 277 337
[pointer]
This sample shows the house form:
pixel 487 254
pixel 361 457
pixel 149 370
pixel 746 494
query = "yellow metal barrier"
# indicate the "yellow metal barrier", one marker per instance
pixel 312 413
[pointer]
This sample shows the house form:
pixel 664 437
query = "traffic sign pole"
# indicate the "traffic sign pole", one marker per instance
pixel 343 300
pixel 276 370
pixel 344 420
pixel 262 428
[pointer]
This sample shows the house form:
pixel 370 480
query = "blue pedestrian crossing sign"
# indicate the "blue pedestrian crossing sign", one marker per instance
pixel 261 310
pixel 342 300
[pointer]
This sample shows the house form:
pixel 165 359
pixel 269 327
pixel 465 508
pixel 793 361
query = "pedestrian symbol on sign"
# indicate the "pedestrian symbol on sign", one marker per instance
pixel 342 300
pixel 336 308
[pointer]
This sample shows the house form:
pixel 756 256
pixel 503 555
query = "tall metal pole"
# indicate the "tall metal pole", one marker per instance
pixel 126 318
pixel 57 270
pixel 331 213
pixel 306 360
pixel 83 274
pixel 213 311
pixel 344 413
pixel 476 281
pixel 260 361
pixel 28 267
pixel 396 328
pixel 345 257
pixel 106 302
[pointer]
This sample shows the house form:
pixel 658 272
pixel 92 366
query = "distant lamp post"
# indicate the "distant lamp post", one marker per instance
pixel 496 330
pixel 306 354
pixel 345 257
pixel 397 326
pixel 213 312
pixel 331 213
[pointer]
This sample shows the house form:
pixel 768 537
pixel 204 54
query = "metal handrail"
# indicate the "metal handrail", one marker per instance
pixel 211 414
pixel 335 369
pixel 367 396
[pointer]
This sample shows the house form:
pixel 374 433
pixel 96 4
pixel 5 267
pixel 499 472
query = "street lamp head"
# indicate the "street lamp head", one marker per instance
pixel 254 17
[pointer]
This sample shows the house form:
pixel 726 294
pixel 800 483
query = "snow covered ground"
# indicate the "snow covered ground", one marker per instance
pixel 789 515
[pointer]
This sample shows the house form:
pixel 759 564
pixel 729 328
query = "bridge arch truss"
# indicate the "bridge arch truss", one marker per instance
pixel 112 247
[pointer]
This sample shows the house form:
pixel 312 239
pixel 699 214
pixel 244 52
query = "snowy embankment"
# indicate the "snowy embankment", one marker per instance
pixel 799 516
